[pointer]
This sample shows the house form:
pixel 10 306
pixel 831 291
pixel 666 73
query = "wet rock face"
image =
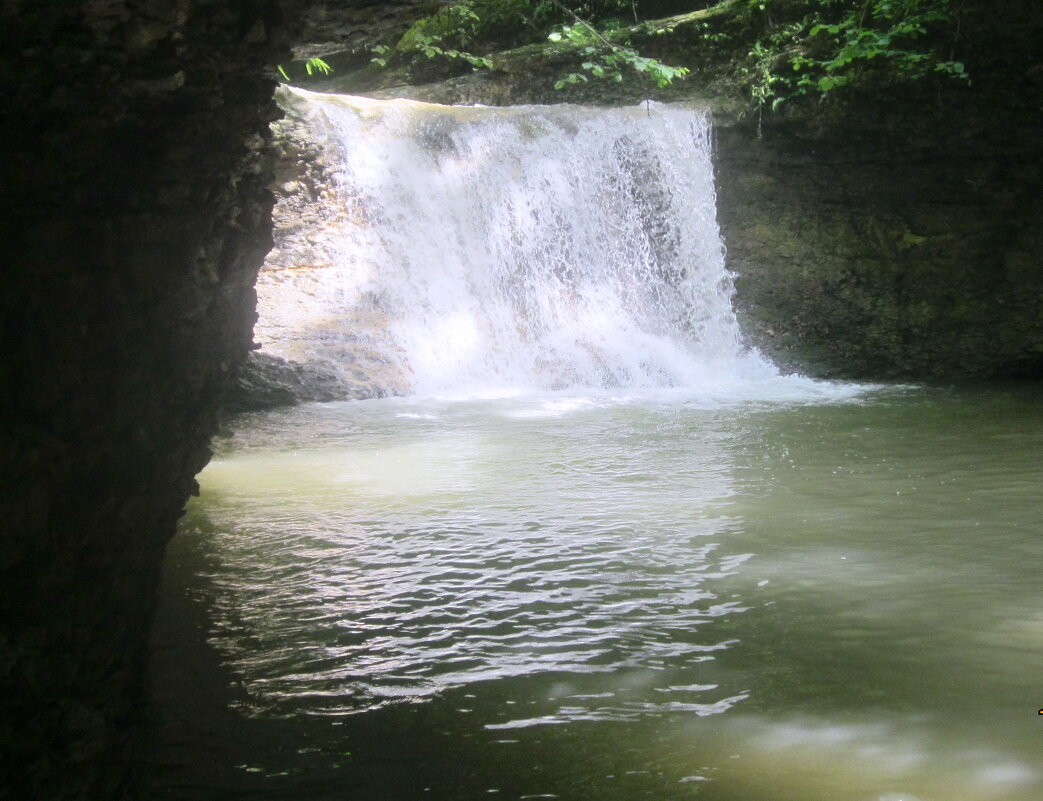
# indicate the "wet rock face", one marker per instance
pixel 134 216
pixel 877 264
pixel 269 382
pixel 311 349
pixel 306 206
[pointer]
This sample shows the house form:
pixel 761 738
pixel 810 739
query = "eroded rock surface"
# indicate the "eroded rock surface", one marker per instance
pixel 135 213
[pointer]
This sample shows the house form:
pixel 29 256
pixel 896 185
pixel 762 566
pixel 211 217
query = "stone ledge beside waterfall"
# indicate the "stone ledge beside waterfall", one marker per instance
pixel 270 382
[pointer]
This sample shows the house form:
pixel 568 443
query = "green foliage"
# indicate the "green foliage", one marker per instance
pixel 608 14
pixel 311 66
pixel 382 55
pixel 427 45
pixel 441 35
pixel 317 65
pixel 844 43
pixel 454 26
pixel 459 31
pixel 608 61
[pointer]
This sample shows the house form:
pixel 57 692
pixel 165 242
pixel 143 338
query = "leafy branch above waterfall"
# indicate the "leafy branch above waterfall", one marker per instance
pixel 816 47
pixel 471 31
pixel 769 52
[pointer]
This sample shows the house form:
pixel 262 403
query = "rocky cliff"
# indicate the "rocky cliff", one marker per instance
pixel 898 235
pixel 878 257
pixel 135 212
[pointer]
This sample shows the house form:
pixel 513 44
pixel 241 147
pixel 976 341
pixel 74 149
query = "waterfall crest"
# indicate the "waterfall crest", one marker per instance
pixel 536 247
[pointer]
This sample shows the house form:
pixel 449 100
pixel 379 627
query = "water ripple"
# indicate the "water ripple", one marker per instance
pixel 343 615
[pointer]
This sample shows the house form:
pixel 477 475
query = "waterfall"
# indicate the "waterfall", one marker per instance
pixel 480 249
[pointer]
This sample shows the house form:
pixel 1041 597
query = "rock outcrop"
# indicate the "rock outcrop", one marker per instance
pixel 269 382
pixel 878 258
pixel 898 236
pixel 135 213
pixel 311 350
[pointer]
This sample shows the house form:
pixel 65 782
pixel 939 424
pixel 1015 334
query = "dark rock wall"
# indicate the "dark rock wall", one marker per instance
pixel 134 215
pixel 877 261
pixel 898 233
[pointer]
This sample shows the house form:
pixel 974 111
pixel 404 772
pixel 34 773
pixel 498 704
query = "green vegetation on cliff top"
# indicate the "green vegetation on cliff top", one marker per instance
pixel 774 50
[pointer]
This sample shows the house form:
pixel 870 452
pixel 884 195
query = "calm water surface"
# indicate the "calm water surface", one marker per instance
pixel 612 598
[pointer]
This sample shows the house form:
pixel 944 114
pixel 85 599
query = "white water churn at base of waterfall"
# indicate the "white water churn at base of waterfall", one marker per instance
pixel 485 250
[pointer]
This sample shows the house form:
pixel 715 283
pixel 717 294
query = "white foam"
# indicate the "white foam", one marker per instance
pixel 536 248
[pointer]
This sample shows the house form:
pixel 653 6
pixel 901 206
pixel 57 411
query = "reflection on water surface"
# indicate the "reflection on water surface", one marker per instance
pixel 822 598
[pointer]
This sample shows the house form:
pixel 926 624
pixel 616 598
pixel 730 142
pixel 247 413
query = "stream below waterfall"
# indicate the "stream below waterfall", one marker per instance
pixel 611 598
pixel 597 549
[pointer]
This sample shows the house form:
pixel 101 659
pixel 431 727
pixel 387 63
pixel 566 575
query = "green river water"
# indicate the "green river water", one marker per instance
pixel 835 596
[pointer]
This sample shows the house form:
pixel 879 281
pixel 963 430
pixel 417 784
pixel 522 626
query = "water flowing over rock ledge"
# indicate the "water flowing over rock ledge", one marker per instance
pixel 458 248
pixel 894 235
pixel 857 254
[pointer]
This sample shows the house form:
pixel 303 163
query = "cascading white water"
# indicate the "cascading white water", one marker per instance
pixel 535 247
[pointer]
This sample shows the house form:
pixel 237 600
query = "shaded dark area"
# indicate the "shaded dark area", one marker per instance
pixel 135 213
pixel 899 235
